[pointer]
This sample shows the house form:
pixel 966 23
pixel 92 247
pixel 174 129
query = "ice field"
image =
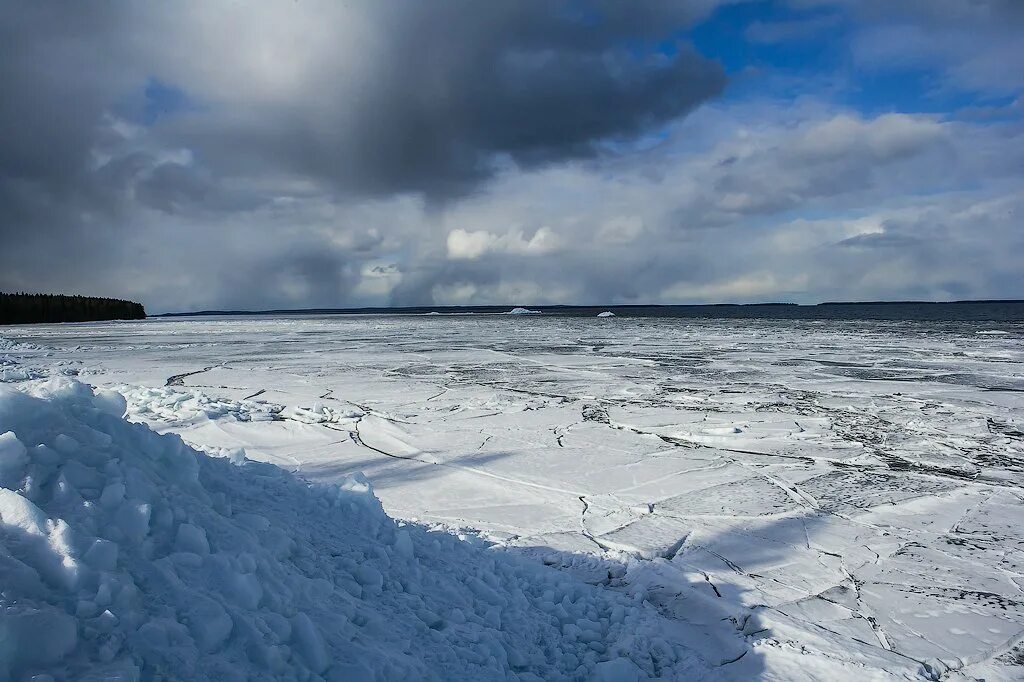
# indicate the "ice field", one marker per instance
pixel 792 499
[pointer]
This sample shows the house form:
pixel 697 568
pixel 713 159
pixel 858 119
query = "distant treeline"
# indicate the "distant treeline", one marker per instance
pixel 25 308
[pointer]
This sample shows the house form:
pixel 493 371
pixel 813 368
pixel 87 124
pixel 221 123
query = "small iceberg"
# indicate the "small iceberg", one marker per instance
pixel 523 311
pixel 606 313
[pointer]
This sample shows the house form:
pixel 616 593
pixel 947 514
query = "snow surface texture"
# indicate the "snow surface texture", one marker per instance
pixel 125 554
pixel 802 500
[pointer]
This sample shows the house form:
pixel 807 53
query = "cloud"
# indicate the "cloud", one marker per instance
pixel 620 230
pixel 879 140
pixel 755 286
pixel 427 153
pixel 833 159
pixel 970 43
pixel 472 245
pixel 776 32
pixel 902 191
pixel 154 133
pixel 378 98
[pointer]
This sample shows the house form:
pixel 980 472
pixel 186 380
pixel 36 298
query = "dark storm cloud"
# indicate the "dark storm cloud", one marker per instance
pixel 56 82
pixel 301 274
pixel 290 100
pixel 445 88
pixel 172 185
pixel 460 86
pixel 525 82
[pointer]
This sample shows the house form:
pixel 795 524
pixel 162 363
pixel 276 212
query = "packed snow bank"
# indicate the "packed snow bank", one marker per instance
pixel 128 555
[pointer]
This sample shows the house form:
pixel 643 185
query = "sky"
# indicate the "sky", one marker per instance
pixel 196 155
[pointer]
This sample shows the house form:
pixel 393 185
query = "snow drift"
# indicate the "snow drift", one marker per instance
pixel 128 555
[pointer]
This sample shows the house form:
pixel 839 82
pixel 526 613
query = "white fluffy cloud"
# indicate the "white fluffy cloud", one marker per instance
pixel 468 245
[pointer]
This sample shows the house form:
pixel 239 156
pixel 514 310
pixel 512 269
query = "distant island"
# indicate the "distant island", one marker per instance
pixel 22 308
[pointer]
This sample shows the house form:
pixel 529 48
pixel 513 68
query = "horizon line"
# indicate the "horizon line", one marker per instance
pixel 506 307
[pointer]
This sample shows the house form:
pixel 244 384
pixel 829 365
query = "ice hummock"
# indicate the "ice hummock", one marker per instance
pixel 125 554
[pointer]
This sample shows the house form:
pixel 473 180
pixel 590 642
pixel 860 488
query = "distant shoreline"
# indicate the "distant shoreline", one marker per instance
pixel 980 310
pixel 34 308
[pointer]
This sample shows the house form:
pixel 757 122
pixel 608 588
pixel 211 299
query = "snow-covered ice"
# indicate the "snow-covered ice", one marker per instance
pixel 126 554
pixel 778 499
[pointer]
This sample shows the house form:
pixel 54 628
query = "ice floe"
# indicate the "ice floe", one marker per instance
pixel 803 501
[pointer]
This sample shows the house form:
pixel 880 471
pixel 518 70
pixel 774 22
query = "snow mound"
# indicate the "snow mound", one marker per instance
pixel 10 374
pixel 128 555
pixel 10 371
pixel 523 311
pixel 12 345
pixel 606 313
pixel 180 406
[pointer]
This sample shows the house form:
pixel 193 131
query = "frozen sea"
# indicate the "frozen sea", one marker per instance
pixel 808 498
